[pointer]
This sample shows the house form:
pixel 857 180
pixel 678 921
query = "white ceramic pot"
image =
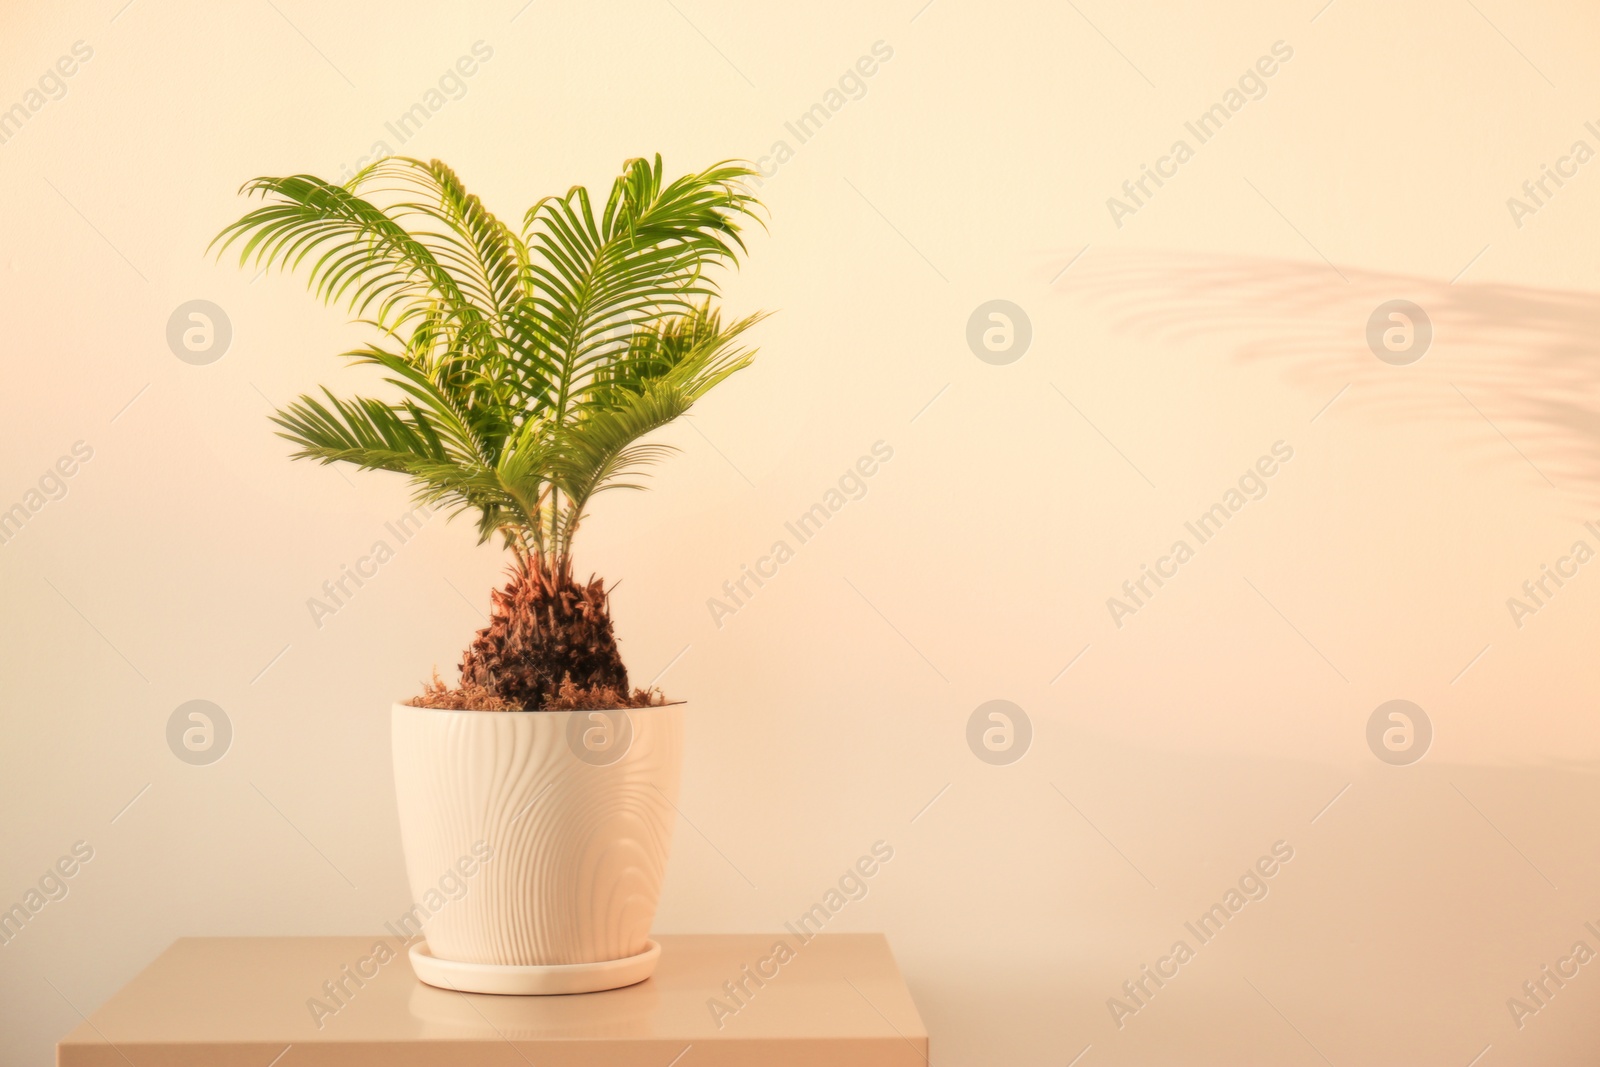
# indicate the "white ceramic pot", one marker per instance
pixel 536 843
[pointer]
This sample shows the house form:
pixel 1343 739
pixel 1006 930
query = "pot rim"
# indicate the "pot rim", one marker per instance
pixel 399 705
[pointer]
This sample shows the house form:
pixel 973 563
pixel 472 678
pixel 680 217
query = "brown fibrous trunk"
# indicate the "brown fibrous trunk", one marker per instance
pixel 545 629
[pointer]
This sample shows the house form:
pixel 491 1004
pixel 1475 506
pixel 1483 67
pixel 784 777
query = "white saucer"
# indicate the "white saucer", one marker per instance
pixel 512 980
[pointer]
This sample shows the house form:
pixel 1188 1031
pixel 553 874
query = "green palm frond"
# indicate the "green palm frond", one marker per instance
pixel 600 280
pixel 466 237
pixel 363 256
pixel 526 368
pixel 601 449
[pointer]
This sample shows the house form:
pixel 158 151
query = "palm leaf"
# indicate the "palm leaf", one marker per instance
pixel 601 280
pixel 602 449
pixel 527 368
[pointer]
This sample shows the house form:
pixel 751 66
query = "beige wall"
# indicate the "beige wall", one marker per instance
pixel 1218 319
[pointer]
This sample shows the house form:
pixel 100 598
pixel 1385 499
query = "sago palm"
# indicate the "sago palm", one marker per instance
pixel 527 367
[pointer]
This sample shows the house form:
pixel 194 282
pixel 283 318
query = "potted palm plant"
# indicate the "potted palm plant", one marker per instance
pixel 526 368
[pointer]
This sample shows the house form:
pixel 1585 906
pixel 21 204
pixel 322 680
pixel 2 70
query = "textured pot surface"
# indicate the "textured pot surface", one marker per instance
pixel 574 809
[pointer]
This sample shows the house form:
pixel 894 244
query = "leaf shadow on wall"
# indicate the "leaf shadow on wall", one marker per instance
pixel 1512 372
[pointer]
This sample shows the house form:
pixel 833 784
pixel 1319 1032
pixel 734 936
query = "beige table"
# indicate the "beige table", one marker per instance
pixel 315 1001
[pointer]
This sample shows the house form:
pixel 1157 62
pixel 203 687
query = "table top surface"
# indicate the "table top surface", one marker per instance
pixel 206 997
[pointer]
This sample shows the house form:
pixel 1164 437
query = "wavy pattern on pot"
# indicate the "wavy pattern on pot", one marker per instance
pixel 580 850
